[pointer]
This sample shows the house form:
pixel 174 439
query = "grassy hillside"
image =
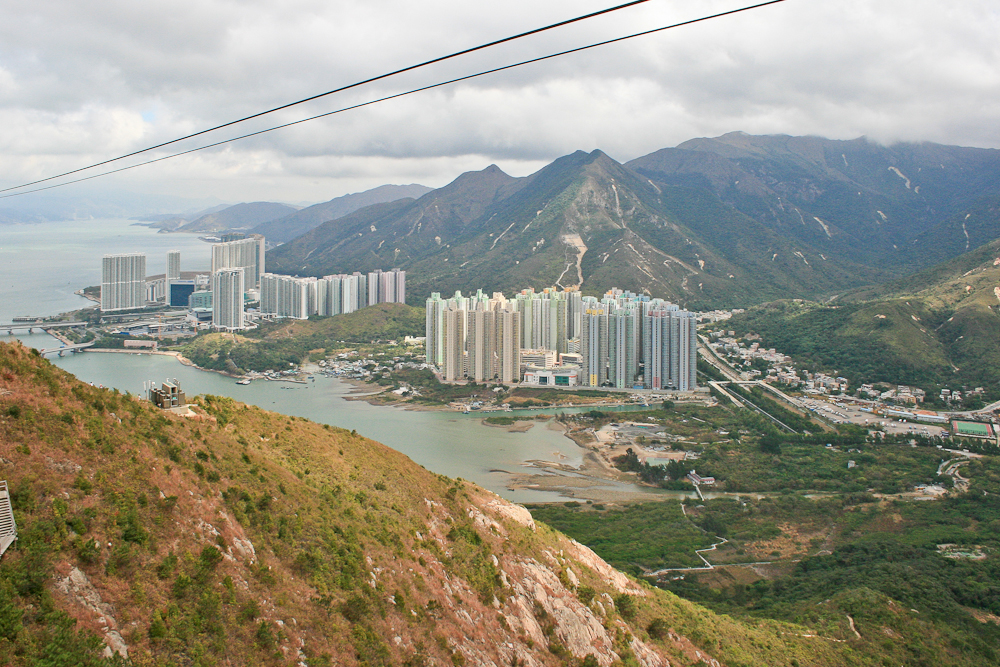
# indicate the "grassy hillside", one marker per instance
pixel 276 345
pixel 239 536
pixel 823 542
pixel 938 327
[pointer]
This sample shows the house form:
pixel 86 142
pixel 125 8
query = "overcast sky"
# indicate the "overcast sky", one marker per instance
pixel 85 81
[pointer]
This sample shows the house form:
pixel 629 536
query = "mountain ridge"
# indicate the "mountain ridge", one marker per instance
pixel 639 235
pixel 284 229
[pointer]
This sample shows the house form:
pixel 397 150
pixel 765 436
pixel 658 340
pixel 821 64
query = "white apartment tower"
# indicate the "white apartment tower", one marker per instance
pixel 453 331
pixel 228 287
pixel 434 329
pixel 247 254
pixel 386 286
pixel 123 282
pixel 173 265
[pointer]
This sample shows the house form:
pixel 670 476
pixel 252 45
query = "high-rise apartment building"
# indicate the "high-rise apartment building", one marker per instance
pixel 386 286
pixel 228 288
pixel 290 296
pixel 434 329
pixel 246 254
pixel 123 282
pixel 623 343
pixel 670 341
pixel 480 344
pixel 453 332
pixel 594 343
pixel 508 343
pixel 477 337
pixel 173 265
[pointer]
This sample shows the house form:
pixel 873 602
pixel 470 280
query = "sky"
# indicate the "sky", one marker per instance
pixel 82 82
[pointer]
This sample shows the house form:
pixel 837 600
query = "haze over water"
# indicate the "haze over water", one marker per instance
pixel 41 265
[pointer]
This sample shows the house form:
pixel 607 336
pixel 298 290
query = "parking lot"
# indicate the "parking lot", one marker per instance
pixel 844 412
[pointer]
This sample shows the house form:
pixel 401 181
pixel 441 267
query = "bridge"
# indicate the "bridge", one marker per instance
pixel 41 326
pixel 65 348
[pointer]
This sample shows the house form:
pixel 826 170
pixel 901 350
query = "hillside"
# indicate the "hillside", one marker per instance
pixel 275 345
pixel 282 230
pixel 240 216
pixel 939 327
pixel 238 536
pixel 583 220
pixel 890 206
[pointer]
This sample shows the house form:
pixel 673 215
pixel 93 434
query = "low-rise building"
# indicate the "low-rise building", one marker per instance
pixel 560 376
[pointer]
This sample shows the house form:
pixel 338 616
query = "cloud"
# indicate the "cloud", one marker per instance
pixel 80 82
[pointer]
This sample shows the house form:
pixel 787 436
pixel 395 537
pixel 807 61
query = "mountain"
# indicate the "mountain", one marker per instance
pixel 282 230
pixel 586 219
pixel 937 328
pixel 884 206
pixel 238 217
pixel 239 536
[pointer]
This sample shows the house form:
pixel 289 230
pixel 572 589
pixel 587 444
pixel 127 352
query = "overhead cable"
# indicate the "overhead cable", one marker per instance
pixel 341 89
pixel 376 101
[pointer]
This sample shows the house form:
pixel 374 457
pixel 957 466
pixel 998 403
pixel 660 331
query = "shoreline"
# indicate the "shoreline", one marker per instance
pixel 163 353
pixel 595 479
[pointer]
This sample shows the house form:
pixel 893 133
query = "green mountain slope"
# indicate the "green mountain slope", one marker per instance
pixel 284 229
pixel 938 327
pixel 849 199
pixel 584 216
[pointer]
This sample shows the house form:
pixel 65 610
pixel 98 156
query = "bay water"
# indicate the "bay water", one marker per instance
pixel 42 265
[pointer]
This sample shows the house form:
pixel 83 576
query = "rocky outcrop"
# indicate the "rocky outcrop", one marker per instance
pixel 77 587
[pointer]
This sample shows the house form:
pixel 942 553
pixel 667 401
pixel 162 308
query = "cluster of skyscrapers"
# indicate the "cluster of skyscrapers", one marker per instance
pixel 288 296
pixel 238 276
pixel 621 340
pixel 476 337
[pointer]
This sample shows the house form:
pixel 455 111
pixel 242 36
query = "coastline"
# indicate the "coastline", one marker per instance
pixel 595 479
pixel 163 353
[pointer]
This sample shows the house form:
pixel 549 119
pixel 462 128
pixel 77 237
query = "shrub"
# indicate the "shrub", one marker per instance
pixel 82 483
pixel 355 609
pixel 625 605
pixel 157 628
pixel 264 634
pixel 10 616
pixel 657 628
pixel 166 568
pixel 88 552
pixel 209 558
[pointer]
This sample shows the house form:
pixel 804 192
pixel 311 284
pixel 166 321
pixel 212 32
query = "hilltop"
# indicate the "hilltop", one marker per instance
pixel 276 345
pixel 239 216
pixel 296 224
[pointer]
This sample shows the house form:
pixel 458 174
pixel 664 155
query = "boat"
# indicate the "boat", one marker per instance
pixel 243 381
